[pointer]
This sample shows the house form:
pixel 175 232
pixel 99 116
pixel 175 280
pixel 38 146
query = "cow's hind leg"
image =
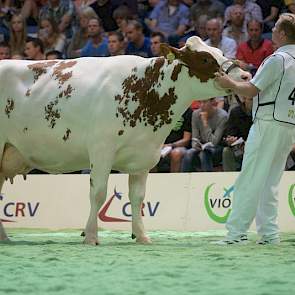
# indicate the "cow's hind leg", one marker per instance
pixel 137 185
pixel 98 189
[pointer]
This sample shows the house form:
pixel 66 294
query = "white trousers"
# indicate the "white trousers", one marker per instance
pixel 256 188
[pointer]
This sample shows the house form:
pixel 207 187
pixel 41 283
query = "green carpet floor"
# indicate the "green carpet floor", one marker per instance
pixel 47 262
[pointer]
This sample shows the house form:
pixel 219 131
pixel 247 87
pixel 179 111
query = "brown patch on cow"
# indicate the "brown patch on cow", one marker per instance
pixel 40 68
pixel 68 91
pixel 9 107
pixel 152 109
pixel 51 114
pixel 176 71
pixel 120 132
pixel 67 135
pixel 58 71
pixel 25 130
pixel 200 64
pixel 28 93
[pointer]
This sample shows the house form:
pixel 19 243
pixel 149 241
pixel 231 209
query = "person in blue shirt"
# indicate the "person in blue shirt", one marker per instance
pixel 138 44
pixel 97 45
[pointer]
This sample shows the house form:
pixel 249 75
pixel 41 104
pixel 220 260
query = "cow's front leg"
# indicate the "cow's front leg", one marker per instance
pixel 3 235
pixel 98 190
pixel 137 185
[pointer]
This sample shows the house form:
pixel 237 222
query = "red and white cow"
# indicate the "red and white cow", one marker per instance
pixel 103 113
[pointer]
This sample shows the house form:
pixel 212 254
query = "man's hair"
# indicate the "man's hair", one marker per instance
pixel 57 53
pixel 119 35
pixel 254 20
pixel 36 42
pixel 286 23
pixel 159 34
pixel 137 25
pixel 98 20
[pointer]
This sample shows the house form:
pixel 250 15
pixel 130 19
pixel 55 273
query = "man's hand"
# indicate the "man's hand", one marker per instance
pixel 223 80
pixel 230 139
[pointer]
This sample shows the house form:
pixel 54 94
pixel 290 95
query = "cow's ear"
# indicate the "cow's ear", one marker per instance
pixel 169 52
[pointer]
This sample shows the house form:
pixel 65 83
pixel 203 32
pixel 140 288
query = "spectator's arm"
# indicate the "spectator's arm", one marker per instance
pixel 274 11
pixel 184 141
pixel 216 135
pixel 65 22
pixel 180 30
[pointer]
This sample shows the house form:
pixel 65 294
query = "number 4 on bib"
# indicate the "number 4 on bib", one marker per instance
pixel 292 96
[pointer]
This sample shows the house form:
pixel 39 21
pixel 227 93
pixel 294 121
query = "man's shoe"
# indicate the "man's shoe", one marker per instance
pixel 265 241
pixel 242 240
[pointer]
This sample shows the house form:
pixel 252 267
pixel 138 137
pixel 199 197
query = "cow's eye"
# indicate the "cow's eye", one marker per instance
pixel 205 60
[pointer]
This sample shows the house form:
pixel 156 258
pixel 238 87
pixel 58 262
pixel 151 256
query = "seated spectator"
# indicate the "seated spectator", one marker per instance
pixel 122 15
pixel 235 28
pixel 29 9
pixel 252 11
pixel 215 38
pixel 53 54
pixel 138 44
pixel 97 44
pixel 198 29
pixel 270 12
pixel 237 126
pixel 256 49
pixel 62 12
pixel 4 31
pixel 18 34
pixel 210 8
pixel 290 4
pixel 104 10
pixel 50 35
pixel 208 123
pixel 116 44
pixel 156 39
pixel 176 144
pixel 170 17
pixel 4 51
pixel 80 36
pixel 34 49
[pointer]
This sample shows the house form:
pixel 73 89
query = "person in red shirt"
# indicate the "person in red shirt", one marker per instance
pixel 252 53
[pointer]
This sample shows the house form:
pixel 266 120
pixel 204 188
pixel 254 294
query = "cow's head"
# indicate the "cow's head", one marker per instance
pixel 203 61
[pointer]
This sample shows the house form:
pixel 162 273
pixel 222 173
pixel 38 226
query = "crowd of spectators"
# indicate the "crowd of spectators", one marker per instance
pixel 211 133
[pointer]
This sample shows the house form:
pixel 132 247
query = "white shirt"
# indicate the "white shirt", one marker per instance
pixel 268 80
pixel 227 45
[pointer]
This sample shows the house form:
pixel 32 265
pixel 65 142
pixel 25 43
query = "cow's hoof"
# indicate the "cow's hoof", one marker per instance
pixel 91 242
pixel 144 240
pixel 4 240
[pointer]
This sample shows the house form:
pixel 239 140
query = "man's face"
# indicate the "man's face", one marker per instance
pixel 207 105
pixel 31 51
pixel 213 31
pixel 155 45
pixel 254 31
pixel 93 28
pixel 114 45
pixel 132 33
pixel 4 53
pixel 237 16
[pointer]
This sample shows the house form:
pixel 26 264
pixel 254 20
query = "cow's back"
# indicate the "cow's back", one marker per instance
pixel 52 110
